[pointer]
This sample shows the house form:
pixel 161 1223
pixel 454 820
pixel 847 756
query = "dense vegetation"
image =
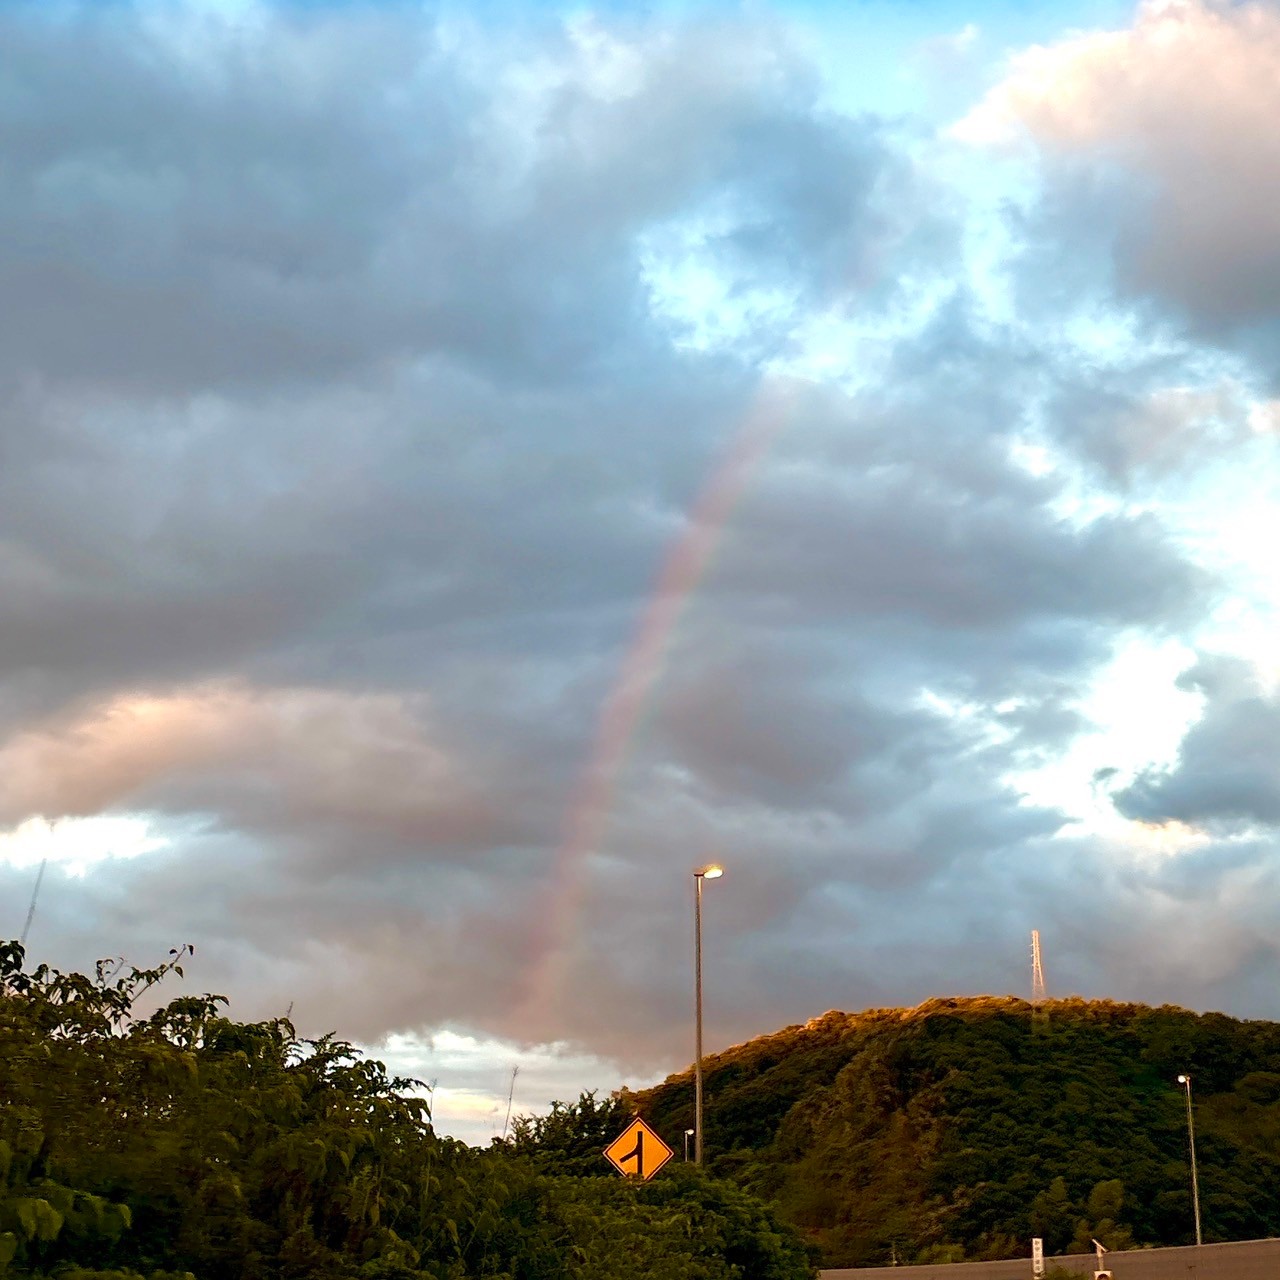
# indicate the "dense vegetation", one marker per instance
pixel 964 1127
pixel 180 1143
pixel 184 1144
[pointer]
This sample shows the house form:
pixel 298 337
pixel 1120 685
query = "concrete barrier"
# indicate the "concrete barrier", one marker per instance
pixel 1239 1260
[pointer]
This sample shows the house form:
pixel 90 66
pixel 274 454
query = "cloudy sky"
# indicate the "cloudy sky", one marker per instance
pixel 464 465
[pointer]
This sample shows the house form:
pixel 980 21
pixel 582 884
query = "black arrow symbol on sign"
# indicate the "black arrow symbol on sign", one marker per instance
pixel 636 1154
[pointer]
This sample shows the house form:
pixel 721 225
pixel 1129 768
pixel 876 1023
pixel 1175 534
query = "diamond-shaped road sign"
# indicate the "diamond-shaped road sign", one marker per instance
pixel 638 1152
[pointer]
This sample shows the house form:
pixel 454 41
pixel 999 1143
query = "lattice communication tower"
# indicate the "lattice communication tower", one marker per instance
pixel 1037 970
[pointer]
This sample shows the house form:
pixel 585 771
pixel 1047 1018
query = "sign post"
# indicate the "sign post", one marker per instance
pixel 638 1152
pixel 1037 1257
pixel 1101 1273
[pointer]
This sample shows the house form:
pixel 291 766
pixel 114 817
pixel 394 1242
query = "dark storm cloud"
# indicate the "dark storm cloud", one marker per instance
pixel 348 431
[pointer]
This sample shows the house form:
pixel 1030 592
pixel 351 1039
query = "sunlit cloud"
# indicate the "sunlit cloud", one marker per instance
pixel 79 844
pixel 1137 715
pixel 479 1084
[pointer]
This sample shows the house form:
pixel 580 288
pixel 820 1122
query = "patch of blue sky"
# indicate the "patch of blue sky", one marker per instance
pixel 929 60
pixel 703 302
pixel 854 349
pixel 929 57
pixel 1023 20
pixel 708 308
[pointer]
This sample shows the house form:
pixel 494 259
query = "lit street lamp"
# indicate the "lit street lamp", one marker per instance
pixel 710 872
pixel 688 1133
pixel 1185 1082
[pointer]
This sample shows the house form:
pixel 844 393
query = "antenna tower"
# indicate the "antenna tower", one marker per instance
pixel 515 1071
pixel 31 910
pixel 1037 970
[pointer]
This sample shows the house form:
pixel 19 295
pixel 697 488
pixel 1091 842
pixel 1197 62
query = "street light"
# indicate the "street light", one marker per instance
pixel 712 871
pixel 688 1133
pixel 1185 1082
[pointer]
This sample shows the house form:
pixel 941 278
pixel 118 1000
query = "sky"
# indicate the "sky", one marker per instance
pixel 462 467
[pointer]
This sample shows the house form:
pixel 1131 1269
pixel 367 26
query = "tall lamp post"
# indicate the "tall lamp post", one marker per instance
pixel 1185 1082
pixel 711 871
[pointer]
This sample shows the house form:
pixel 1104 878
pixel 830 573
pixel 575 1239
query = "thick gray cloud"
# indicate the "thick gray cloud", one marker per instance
pixel 1160 160
pixel 238 202
pixel 1143 434
pixel 358 389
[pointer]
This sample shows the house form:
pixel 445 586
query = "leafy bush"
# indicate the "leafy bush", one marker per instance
pixel 187 1146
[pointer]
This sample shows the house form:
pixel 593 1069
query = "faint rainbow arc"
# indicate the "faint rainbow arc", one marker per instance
pixel 588 812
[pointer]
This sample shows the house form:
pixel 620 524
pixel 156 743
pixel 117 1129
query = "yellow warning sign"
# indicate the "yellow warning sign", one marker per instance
pixel 638 1152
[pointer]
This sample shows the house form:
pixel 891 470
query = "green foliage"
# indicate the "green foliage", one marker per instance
pixel 971 1125
pixel 705 1226
pixel 184 1145
pixel 571 1137
pixel 944 1253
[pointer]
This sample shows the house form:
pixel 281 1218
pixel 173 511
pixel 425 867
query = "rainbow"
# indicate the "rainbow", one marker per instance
pixel 587 813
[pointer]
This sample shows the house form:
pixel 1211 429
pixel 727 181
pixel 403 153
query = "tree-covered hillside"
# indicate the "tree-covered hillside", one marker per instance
pixel 182 1145
pixel 963 1127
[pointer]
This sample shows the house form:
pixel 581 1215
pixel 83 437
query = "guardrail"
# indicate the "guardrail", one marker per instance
pixel 1238 1260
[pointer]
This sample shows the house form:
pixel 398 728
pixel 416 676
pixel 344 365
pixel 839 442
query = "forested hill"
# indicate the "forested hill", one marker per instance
pixel 963 1127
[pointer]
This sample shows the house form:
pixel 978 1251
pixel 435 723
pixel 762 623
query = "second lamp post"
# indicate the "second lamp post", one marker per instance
pixel 711 871
pixel 1185 1082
